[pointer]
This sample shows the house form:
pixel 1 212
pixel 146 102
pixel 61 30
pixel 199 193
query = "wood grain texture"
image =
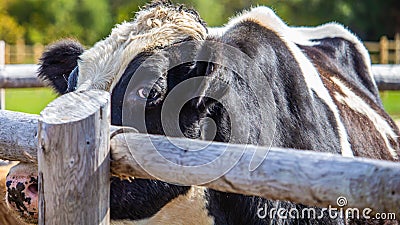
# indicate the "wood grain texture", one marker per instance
pixel 18 134
pixel 305 177
pixel 387 77
pixel 73 159
pixel 20 76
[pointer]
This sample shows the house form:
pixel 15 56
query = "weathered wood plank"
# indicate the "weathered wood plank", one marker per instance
pixel 73 159
pixel 364 182
pixel 387 77
pixel 18 132
pixel 305 177
pixel 20 76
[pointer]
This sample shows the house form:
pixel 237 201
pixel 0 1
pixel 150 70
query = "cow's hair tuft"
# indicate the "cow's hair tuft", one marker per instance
pixel 57 62
pixel 176 7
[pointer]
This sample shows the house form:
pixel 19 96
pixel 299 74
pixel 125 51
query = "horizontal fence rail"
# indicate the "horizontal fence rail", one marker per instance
pixel 387 76
pixel 20 76
pixel 305 177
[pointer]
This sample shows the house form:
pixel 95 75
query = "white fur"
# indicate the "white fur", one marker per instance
pixel 359 105
pixel 267 18
pixel 216 31
pixel 102 66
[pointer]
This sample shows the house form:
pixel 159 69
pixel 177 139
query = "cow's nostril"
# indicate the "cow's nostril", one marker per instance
pixel 33 188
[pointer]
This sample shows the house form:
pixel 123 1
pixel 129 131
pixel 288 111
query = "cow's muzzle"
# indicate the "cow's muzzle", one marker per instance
pixel 22 191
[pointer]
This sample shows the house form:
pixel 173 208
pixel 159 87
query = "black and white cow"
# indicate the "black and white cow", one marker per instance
pixel 295 87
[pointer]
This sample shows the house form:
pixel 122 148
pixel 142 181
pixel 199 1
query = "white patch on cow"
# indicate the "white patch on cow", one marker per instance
pixel 359 105
pixel 304 35
pixel 267 18
pixel 216 31
pixel 332 30
pixel 102 66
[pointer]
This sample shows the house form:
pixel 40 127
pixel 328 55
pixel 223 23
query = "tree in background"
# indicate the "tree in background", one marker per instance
pixel 370 19
pixel 46 21
pixel 10 30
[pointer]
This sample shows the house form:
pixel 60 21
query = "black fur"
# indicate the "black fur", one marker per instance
pixel 58 61
pixel 140 199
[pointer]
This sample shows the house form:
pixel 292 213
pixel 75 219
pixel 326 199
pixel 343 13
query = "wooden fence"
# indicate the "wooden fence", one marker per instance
pixel 72 142
pixel 22 54
pixel 385 51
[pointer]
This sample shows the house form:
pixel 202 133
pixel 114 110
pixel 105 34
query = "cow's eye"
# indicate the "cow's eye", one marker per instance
pixel 148 94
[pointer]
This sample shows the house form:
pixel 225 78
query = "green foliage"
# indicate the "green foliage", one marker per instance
pixel 47 21
pixel 10 31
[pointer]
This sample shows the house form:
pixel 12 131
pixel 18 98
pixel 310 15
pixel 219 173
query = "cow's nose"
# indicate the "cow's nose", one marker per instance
pixel 22 194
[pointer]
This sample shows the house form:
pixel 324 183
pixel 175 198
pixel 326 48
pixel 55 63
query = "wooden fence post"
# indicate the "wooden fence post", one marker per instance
pixel 397 48
pixel 37 52
pixel 20 51
pixel 2 54
pixel 384 50
pixel 73 159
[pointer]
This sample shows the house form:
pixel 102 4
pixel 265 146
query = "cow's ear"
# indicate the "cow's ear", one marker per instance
pixel 58 61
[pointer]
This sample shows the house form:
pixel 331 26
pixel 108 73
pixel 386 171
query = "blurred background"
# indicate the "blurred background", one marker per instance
pixel 27 26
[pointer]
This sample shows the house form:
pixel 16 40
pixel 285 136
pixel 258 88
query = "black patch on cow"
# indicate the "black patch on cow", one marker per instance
pixel 303 120
pixel 8 183
pixel 364 138
pixel 346 60
pixel 16 196
pixel 57 62
pixel 140 198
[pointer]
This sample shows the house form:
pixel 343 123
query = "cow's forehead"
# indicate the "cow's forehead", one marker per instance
pixel 102 66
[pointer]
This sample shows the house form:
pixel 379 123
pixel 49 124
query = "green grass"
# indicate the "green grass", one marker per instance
pixel 391 102
pixel 29 100
pixel 33 100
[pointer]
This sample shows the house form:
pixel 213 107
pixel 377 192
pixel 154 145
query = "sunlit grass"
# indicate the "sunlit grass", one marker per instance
pixel 29 100
pixel 391 102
